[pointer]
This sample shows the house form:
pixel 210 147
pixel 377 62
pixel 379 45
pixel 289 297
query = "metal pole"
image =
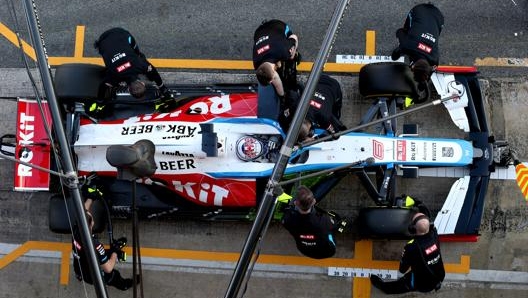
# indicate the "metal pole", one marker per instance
pixel 72 180
pixel 268 202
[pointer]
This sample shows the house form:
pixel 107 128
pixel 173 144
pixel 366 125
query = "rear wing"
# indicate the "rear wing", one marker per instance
pixel 32 145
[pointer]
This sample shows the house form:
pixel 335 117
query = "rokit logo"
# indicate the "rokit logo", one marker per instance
pixel 217 105
pixel 428 36
pixel 26 135
pixel 203 192
pixel 214 105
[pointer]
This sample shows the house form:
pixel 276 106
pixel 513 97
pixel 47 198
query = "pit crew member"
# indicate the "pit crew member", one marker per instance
pixel 125 63
pixel 418 39
pixel 421 262
pixel 312 229
pixel 275 60
pixel 107 258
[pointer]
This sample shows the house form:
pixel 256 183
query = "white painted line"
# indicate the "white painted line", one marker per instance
pixel 178 265
pixel 362 272
pixel 365 59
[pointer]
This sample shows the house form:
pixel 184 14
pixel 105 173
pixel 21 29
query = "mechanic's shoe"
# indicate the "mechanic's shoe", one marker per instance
pixel 119 282
pixel 126 284
pixel 396 54
pixel 376 281
pixel 341 225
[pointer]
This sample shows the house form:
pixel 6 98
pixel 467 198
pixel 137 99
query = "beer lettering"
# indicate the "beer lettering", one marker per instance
pixel 137 129
pixel 175 165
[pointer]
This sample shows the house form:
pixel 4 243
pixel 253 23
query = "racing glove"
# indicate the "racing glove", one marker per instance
pixel 92 192
pixel 119 244
pixel 297 58
pixel 165 93
pixel 121 256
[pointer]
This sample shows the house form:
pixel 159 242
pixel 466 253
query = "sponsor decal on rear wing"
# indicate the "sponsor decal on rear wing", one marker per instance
pixel 32 146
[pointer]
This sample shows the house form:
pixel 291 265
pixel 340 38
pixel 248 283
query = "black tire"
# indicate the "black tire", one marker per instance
pixel 385 223
pixel 59 222
pixel 387 78
pixel 78 82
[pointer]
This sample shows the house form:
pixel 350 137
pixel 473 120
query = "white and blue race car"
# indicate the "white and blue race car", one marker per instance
pixel 208 156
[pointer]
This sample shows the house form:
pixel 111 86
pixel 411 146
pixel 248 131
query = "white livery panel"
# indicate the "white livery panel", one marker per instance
pixel 179 149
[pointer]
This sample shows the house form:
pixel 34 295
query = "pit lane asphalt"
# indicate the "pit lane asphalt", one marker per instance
pixel 497 261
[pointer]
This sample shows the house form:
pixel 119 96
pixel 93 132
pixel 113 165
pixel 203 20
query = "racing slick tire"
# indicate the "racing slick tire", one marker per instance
pixel 61 210
pixel 385 222
pixel 386 78
pixel 79 82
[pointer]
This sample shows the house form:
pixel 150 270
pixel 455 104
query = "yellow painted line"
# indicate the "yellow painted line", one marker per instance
pixel 63 248
pixel 361 287
pixel 370 49
pixel 460 268
pixel 79 42
pixel 160 62
pixel 513 62
pixel 362 259
pixel 208 64
pixel 11 36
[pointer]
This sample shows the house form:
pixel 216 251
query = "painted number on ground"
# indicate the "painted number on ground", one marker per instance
pixel 362 272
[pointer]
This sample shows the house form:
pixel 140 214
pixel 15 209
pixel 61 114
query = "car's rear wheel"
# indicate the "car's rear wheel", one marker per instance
pixel 62 215
pixel 385 222
pixel 386 79
pixel 78 82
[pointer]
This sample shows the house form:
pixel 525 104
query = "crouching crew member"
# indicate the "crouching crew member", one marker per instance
pixel 421 262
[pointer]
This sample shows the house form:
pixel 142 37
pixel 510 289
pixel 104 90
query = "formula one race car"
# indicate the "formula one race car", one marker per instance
pixel 205 154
